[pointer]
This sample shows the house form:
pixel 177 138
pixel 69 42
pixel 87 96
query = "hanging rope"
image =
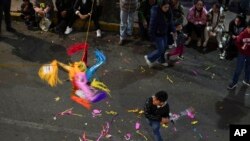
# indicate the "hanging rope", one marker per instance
pixel 87 34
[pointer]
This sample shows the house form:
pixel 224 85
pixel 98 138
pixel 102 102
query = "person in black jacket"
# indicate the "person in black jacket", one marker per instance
pixel 83 9
pixel 156 111
pixel 161 23
pixel 65 15
pixel 5 8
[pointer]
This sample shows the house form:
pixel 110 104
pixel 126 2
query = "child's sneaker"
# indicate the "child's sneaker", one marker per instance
pixel 68 30
pixel 231 86
pixel 246 83
pixel 180 57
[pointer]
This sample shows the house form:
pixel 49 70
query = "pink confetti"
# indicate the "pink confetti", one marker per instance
pixel 137 125
pixel 96 113
pixel 194 72
pixel 127 136
pixel 67 112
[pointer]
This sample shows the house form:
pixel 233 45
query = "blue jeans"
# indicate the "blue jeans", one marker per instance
pixel 155 125
pixel 161 45
pixel 126 25
pixel 241 61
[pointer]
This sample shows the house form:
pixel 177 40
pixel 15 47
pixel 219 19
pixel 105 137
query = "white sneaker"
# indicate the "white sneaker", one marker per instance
pixel 199 43
pixel 148 62
pixel 220 45
pixel 222 56
pixel 68 30
pixel 98 33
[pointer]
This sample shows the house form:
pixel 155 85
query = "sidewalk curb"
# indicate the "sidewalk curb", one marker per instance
pixel 79 24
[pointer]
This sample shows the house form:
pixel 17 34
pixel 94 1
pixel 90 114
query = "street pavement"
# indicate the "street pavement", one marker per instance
pixel 28 104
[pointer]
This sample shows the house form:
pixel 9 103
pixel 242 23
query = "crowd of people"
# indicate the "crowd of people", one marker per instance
pixel 161 22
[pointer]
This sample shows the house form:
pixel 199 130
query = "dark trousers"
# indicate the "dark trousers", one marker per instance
pixel 95 16
pixel 63 22
pixel 242 61
pixel 198 29
pixel 5 8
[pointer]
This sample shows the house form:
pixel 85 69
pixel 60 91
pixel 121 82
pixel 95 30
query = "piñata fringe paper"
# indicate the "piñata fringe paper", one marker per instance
pixel 99 85
pixel 81 101
pixel 49 73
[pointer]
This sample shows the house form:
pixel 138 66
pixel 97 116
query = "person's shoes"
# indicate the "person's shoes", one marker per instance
pixel 68 30
pixel 231 86
pixel 98 33
pixel 163 64
pixel 148 62
pixel 188 41
pixel 121 42
pixel 198 43
pixel 246 83
pixel 222 56
pixel 204 44
pixel 180 57
pixel 10 29
pixel 220 45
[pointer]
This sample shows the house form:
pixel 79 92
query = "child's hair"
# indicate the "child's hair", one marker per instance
pixel 177 23
pixel 163 2
pixel 162 96
pixel 217 5
pixel 196 1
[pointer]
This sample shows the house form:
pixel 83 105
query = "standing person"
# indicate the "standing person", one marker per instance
pixel 28 13
pixel 179 43
pixel 161 23
pixel 243 7
pixel 197 18
pixel 215 26
pixel 83 9
pixel 128 8
pixel 65 16
pixel 144 16
pixel 157 112
pixel 243 60
pixel 5 8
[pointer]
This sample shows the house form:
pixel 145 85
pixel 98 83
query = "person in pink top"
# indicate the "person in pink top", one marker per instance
pixel 243 60
pixel 197 19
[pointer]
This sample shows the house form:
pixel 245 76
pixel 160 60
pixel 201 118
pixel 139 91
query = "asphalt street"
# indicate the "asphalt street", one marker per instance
pixel 28 104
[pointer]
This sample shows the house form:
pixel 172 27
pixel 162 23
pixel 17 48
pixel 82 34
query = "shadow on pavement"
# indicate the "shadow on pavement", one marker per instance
pixel 232 108
pixel 36 50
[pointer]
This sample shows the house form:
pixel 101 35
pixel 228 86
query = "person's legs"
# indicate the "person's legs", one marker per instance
pixel 6 9
pixel 155 125
pixel 189 29
pixel 247 69
pixel 163 50
pixel 206 35
pixel 123 24
pixel 130 23
pixel 160 45
pixel 1 15
pixel 239 67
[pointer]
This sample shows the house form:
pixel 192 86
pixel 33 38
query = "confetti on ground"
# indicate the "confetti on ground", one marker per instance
pixel 133 110
pixel 194 122
pixel 127 136
pixel 96 113
pixel 164 126
pixel 57 99
pixel 137 126
pixel 212 76
pixel 67 112
pixel 141 112
pixel 111 113
pixel 142 69
pixel 170 80
pixel 129 70
pixel 195 72
pixel 138 132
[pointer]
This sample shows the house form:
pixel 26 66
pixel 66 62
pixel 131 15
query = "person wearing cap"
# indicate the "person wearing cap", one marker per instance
pixel 156 111
pixel 243 59
pixel 5 8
